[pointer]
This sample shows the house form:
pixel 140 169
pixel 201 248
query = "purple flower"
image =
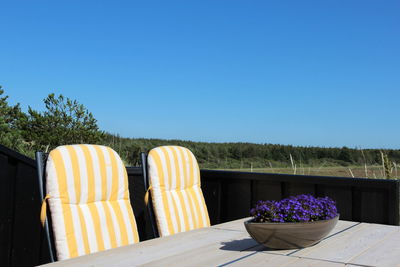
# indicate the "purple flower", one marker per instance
pixel 301 208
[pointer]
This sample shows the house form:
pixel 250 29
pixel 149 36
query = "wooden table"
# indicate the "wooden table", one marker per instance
pixel 349 244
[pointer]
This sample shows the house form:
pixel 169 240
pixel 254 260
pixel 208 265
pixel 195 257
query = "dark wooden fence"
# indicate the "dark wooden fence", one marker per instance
pixel 229 195
pixel 20 230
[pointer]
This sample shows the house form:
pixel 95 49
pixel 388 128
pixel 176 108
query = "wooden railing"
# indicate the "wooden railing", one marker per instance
pixel 230 195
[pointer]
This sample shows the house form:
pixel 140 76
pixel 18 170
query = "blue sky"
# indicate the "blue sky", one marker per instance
pixel 310 73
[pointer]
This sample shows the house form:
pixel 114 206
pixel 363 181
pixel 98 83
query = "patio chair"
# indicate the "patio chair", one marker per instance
pixel 172 177
pixel 86 188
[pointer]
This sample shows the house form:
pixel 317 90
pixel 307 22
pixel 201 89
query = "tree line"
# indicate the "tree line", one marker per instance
pixel 66 121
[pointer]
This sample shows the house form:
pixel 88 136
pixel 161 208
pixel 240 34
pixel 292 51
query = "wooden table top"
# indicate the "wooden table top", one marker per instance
pixel 349 244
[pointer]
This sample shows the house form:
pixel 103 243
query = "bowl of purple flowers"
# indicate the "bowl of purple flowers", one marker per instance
pixel 294 222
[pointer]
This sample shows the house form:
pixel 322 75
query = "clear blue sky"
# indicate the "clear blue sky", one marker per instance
pixel 311 73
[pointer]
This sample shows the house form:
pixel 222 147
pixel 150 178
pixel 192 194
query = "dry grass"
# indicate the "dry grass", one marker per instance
pixel 361 171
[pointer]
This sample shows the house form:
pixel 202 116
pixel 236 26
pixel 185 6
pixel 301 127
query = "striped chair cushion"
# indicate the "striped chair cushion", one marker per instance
pixel 89 202
pixel 175 189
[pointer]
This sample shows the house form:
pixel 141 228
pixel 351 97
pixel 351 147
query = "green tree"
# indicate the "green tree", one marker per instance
pixel 345 154
pixel 133 152
pixel 64 122
pixel 10 119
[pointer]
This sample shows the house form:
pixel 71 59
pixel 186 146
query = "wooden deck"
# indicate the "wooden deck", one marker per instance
pixel 349 244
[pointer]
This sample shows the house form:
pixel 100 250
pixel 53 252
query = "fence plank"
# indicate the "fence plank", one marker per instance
pixel 26 218
pixel 264 190
pixel 235 199
pixel 372 204
pixel 343 197
pixel 212 194
pixel 293 189
pixel 7 175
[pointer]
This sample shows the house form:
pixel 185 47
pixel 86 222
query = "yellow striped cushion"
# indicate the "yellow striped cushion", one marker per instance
pixel 89 200
pixel 175 189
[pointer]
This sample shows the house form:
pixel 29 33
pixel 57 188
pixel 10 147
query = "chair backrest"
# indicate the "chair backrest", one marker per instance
pixel 88 198
pixel 176 194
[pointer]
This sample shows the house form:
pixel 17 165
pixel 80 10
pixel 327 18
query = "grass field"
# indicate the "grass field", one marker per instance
pixel 373 171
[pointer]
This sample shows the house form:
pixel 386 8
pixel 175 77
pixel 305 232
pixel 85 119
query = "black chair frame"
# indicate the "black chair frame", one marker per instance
pixel 143 158
pixel 41 158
